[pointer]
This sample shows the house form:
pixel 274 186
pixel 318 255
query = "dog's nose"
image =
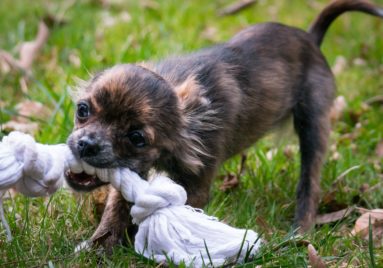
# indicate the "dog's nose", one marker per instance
pixel 87 147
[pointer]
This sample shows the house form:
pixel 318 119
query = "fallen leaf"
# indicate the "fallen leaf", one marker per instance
pixel 359 62
pixel 26 112
pixel 375 100
pixel 148 4
pixel 108 19
pixel 30 128
pixel 333 216
pixel 337 109
pixel 290 151
pixel 28 51
pixel 339 65
pixel 210 34
pixel 314 258
pixel 236 7
pixel 74 59
pixel 53 21
pixel 362 224
pixel 230 181
pixel 379 149
pixel 31 109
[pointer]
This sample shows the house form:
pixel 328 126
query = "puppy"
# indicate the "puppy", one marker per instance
pixel 186 115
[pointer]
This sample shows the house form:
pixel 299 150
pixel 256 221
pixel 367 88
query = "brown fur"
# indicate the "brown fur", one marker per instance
pixel 193 112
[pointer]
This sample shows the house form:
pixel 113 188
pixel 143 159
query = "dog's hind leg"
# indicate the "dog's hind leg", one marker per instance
pixel 312 124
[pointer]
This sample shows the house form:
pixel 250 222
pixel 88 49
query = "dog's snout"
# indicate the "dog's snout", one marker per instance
pixel 87 147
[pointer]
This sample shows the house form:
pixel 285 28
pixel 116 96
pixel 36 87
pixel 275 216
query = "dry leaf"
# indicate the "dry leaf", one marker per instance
pixel 30 128
pixel 339 65
pixel 375 100
pixel 379 149
pixel 108 19
pixel 290 150
pixel 31 109
pixel 236 7
pixel 52 21
pixel 362 224
pixel 26 111
pixel 314 259
pixel 333 216
pixel 359 62
pixel 74 59
pixel 148 4
pixel 230 181
pixel 28 51
pixel 337 109
pixel 210 34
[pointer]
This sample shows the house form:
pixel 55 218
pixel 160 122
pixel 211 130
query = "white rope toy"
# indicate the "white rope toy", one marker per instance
pixel 168 229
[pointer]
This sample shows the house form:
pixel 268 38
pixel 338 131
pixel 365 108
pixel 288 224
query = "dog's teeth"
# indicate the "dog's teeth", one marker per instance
pixel 102 174
pixel 75 167
pixel 88 169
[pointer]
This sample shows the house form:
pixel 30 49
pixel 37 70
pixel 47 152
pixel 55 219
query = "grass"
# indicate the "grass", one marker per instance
pixel 47 230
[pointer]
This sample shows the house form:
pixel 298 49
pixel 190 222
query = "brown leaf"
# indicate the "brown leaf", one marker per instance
pixel 31 109
pixel 210 34
pixel 148 4
pixel 337 109
pixel 379 149
pixel 375 100
pixel 290 150
pixel 236 7
pixel 28 51
pixel 314 259
pixel 230 181
pixel 53 21
pixel 333 216
pixel 30 128
pixel 339 65
pixel 27 111
pixel 362 224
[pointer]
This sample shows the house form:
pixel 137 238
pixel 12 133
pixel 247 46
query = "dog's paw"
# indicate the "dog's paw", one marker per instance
pixel 84 246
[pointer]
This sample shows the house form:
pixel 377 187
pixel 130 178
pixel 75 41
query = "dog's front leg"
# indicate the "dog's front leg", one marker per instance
pixel 116 225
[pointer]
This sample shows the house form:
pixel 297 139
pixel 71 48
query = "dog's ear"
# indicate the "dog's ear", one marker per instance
pixel 191 149
pixel 189 93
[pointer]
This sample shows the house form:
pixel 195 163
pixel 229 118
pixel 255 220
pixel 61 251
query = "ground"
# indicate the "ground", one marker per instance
pixel 98 34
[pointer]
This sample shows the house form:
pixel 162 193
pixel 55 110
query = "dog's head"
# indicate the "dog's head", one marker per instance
pixel 126 116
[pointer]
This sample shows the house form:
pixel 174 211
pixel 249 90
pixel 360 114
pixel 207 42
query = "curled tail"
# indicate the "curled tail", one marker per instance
pixel 336 8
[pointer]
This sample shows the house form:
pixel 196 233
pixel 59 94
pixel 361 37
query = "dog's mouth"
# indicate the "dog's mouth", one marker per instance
pixel 83 181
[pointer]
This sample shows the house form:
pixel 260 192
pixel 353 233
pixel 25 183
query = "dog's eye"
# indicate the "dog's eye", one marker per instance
pixel 137 138
pixel 82 110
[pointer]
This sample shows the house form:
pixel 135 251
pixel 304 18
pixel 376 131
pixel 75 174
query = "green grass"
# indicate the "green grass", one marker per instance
pixel 47 230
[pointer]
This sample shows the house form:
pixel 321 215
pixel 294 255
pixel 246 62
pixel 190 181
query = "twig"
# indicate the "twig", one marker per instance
pixel 375 100
pixel 236 7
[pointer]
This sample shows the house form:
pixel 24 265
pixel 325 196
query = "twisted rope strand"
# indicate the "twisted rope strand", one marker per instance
pixel 166 224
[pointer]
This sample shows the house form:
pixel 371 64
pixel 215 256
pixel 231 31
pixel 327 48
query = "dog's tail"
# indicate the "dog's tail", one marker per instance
pixel 336 8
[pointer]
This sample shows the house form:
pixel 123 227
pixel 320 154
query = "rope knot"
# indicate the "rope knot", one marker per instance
pixel 160 193
pixel 33 169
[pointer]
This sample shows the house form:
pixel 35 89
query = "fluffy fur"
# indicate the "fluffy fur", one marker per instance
pixel 186 115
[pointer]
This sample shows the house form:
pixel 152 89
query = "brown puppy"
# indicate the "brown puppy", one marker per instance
pixel 186 115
